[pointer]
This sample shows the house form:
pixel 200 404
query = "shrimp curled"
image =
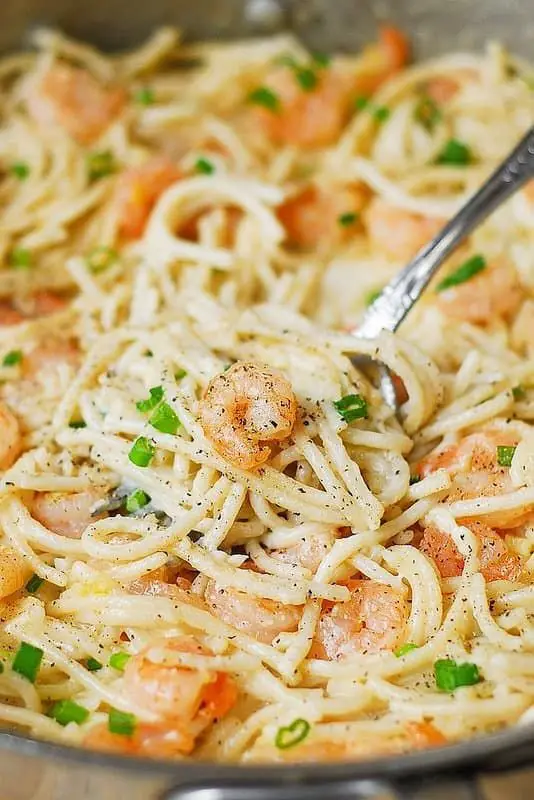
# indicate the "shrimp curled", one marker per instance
pixel 244 409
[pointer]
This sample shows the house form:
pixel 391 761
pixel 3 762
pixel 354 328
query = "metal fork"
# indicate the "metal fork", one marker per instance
pixel 397 298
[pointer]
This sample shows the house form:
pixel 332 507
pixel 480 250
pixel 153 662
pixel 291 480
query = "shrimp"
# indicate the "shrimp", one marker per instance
pixel 497 563
pixel 165 582
pixel 39 304
pixel 10 438
pixel 50 355
pixel 14 571
pixel 473 466
pixel 185 701
pixel 412 736
pixel 310 550
pixel 373 619
pixel 260 618
pixel 72 98
pixel 68 514
pixel 137 191
pixel 244 409
pixel 312 217
pixel 398 233
pixel 495 292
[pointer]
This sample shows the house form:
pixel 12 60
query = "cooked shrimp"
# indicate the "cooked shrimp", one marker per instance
pixel 165 582
pixel 67 514
pixel 10 438
pixel 14 571
pixel 398 233
pixel 473 465
pixel 497 563
pixel 373 619
pixel 50 355
pixel 72 98
pixel 311 549
pixel 9 315
pixel 495 292
pixel 39 304
pixel 186 702
pixel 260 618
pixel 246 408
pixel 413 736
pixel 137 192
pixel 314 216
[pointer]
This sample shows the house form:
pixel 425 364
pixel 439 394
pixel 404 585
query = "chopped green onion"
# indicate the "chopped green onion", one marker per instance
pixel 142 452
pixel 100 164
pixel 65 711
pixel 121 722
pixel 204 166
pixel 427 113
pixel 351 407
pixel 464 273
pixel 361 102
pixel 136 500
pixel 414 479
pixel 156 396
pixel 119 661
pixel 306 78
pixel 455 153
pixel 292 734
pixel 505 455
pixel 101 258
pixel 77 424
pixel 20 170
pixel 519 392
pixel 145 96
pixel 263 96
pixel 179 374
pixel 348 218
pixel 93 665
pixel 12 358
pixel 20 258
pixel 322 60
pixel 27 661
pixel 381 113
pixel 449 675
pixel 405 648
pixel 371 296
pixel 34 584
pixel 164 419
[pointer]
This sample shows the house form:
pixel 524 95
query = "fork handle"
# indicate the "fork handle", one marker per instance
pixel 398 297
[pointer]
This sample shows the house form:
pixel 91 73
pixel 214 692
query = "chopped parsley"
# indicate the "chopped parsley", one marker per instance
pixel 136 500
pixel 321 60
pixel 121 722
pixel 179 374
pixel 371 296
pixel 101 258
pixel 164 419
pixel 379 113
pixel 93 665
pixel 505 455
pixel 145 96
pixel 142 452
pixel 77 424
pixel 455 153
pixel 351 407
pixel 12 358
pixel 414 479
pixel 119 660
pixel 100 164
pixel 292 734
pixel 465 272
pixel 519 392
pixel 405 648
pixel 450 676
pixel 34 584
pixel 20 170
pixel 263 96
pixel 27 661
pixel 156 396
pixel 427 113
pixel 19 258
pixel 65 711
pixel 348 218
pixel 306 78
pixel 204 167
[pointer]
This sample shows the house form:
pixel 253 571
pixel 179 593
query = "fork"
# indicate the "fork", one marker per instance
pixel 402 292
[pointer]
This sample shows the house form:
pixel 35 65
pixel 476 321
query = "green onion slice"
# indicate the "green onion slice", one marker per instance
pixel 263 96
pixel 65 711
pixel 101 258
pixel 455 153
pixel 27 661
pixel 155 397
pixel 20 258
pixel 505 455
pixel 119 660
pixel 121 722
pixel 465 272
pixel 77 424
pixel 351 407
pixel 20 170
pixel 12 358
pixel 204 166
pixel 34 584
pixel 348 218
pixel 449 675
pixel 164 419
pixel 142 452
pixel 519 392
pixel 381 113
pixel 321 60
pixel 292 734
pixel 136 500
pixel 100 164
pixel 145 96
pixel 306 78
pixel 179 374
pixel 405 648
pixel 93 665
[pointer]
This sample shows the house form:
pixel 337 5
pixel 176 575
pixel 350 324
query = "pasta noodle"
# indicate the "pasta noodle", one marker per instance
pixel 217 541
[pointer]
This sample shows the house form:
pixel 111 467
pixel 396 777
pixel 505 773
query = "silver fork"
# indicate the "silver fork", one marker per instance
pixel 397 298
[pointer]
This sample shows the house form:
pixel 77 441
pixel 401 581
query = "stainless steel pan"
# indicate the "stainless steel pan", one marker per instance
pixel 42 771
